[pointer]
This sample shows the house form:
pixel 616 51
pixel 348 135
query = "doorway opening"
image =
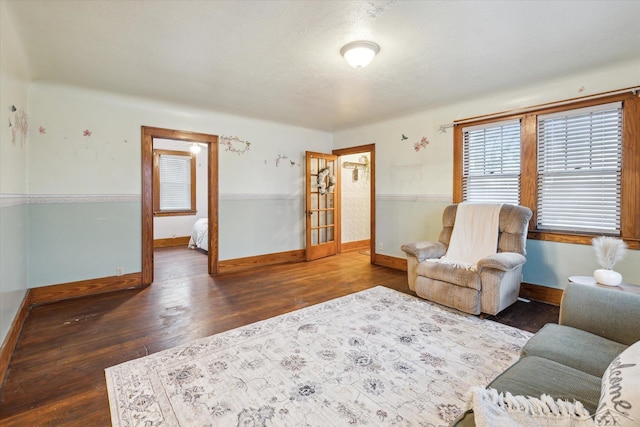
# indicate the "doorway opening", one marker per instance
pixel 149 134
pixel 357 198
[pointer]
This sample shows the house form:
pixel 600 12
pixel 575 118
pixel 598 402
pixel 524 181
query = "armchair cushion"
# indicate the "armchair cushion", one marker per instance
pixel 425 250
pixel 450 273
pixel 504 261
pixel 514 221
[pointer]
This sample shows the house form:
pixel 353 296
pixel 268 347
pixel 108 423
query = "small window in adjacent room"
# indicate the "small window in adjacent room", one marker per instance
pixel 174 183
pixel 491 163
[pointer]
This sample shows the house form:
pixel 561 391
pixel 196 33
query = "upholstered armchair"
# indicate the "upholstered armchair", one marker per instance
pixel 489 286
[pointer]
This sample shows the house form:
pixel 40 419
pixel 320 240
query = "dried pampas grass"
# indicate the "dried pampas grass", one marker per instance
pixel 609 251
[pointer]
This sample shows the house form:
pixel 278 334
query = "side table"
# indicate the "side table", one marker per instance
pixel 589 280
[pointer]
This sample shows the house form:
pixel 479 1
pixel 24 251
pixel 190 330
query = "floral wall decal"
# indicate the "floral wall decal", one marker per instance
pixel 418 145
pixel 282 157
pixel 279 158
pixel 234 144
pixel 87 133
pixel 422 144
pixel 19 124
pixel 42 130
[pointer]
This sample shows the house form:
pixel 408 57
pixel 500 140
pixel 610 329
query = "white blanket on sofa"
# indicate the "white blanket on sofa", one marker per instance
pixel 474 235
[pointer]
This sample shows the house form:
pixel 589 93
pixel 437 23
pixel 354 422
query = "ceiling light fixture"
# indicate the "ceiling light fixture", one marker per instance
pixel 359 54
pixel 195 148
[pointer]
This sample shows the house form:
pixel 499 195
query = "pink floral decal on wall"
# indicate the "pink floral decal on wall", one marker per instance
pixel 86 132
pixel 234 144
pixel 422 144
pixel 42 130
pixel 19 125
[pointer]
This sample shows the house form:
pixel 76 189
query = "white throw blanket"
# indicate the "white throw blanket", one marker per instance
pixel 493 409
pixel 474 235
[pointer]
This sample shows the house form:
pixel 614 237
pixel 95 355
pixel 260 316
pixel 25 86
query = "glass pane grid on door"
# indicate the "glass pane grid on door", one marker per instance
pixel 322 205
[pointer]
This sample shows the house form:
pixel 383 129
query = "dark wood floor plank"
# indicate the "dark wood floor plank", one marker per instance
pixel 56 375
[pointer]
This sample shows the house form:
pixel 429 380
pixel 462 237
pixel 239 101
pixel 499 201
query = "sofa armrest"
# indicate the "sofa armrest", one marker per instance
pixel 609 313
pixel 503 261
pixel 424 250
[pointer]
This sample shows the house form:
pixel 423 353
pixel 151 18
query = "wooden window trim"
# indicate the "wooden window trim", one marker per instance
pixel 156 183
pixel 630 196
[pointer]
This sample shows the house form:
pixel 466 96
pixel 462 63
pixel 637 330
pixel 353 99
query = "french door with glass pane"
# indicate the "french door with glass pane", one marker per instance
pixel 322 185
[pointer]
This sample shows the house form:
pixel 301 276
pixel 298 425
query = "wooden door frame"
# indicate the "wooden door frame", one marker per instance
pixel 148 134
pixel 371 149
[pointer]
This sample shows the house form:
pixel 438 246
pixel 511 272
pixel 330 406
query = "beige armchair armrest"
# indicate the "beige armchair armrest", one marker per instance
pixel 503 261
pixel 424 250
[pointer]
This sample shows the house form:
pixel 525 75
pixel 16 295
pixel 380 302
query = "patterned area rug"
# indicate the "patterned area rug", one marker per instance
pixel 376 357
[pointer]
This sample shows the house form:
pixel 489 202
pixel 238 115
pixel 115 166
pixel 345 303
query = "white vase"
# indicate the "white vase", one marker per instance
pixel 607 277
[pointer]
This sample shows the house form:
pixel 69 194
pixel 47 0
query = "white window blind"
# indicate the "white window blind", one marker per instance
pixel 579 170
pixel 175 182
pixel 491 163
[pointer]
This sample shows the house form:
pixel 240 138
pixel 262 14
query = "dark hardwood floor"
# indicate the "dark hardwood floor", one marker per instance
pixel 56 375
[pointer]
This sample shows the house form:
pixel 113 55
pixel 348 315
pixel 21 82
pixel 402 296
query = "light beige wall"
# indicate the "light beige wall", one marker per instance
pixel 90 155
pixel 13 170
pixel 414 182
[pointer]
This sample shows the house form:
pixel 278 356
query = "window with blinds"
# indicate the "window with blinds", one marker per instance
pixel 579 170
pixel 491 163
pixel 174 180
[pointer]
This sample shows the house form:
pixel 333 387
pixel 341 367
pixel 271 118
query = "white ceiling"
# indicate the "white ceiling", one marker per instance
pixel 280 60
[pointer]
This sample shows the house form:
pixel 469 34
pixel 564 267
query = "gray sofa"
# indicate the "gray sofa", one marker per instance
pixel 567 360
